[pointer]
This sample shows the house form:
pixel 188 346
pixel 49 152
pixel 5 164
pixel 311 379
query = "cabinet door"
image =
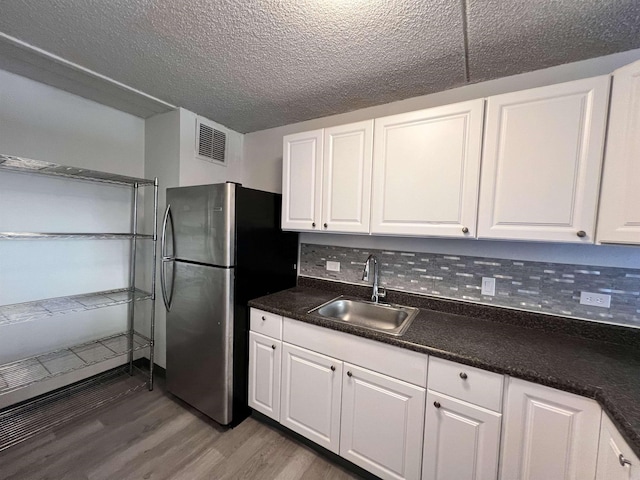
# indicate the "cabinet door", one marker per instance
pixel 619 219
pixel 548 434
pixel 426 171
pixel 616 461
pixel 382 423
pixel 311 392
pixel 346 185
pixel 461 440
pixel 265 355
pixel 541 162
pixel 302 181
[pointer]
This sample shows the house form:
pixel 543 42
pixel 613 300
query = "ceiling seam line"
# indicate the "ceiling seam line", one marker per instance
pixel 465 38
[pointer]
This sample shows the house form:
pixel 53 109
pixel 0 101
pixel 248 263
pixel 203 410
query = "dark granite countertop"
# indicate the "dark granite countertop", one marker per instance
pixel 596 361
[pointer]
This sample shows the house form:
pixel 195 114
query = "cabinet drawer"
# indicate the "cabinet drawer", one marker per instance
pixel 380 357
pixel 266 323
pixel 470 384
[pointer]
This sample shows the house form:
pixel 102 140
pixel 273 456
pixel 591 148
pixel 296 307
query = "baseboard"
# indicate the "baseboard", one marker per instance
pixel 158 371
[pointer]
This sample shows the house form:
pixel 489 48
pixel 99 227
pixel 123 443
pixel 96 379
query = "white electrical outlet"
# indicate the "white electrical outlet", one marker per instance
pixel 333 266
pixel 601 300
pixel 488 286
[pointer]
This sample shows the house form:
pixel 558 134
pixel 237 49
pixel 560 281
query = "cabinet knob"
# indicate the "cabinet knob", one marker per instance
pixel 436 404
pixel 582 234
pixel 325 225
pixel 463 375
pixel 623 461
pixel 349 374
pixel 264 318
pixel 273 347
pixel 465 230
pixel 333 369
pixel 313 224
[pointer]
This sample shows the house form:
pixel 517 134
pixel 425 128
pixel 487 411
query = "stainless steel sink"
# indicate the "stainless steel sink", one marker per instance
pixel 382 317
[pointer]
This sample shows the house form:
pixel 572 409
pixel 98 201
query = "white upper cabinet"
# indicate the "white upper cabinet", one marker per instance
pixel 548 434
pixel 302 181
pixel 326 181
pixel 346 186
pixel 541 162
pixel 426 171
pixel 619 219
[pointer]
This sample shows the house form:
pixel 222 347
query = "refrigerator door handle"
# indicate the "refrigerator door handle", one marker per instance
pixel 166 259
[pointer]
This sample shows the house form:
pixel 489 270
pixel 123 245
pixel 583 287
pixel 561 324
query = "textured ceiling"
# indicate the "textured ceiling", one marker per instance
pixel 255 64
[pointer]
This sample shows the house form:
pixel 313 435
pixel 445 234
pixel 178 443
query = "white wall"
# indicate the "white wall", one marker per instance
pixel 263 169
pixel 196 171
pixel 170 144
pixel 162 160
pixel 42 122
pixel 263 149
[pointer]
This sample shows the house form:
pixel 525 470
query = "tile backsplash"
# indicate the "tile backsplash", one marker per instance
pixel 552 288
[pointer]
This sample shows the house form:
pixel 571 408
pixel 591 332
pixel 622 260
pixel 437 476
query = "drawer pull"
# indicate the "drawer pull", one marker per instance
pixel 264 318
pixel 436 404
pixel 582 234
pixel 349 374
pixel 463 375
pixel 273 347
pixel 465 230
pixel 623 461
pixel 333 369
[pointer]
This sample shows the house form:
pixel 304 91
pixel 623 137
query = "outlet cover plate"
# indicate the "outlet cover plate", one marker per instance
pixel 488 286
pixel 333 266
pixel 601 300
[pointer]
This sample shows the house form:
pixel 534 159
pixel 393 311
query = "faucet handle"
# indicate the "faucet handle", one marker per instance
pixel 382 292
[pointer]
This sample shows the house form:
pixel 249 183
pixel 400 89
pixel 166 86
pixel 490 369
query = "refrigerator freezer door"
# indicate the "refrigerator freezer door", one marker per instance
pixel 203 223
pixel 200 339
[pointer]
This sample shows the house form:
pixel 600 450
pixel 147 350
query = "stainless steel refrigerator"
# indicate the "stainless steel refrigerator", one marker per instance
pixel 221 246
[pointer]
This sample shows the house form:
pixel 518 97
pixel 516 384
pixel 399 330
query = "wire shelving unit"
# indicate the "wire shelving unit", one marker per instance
pixel 28 371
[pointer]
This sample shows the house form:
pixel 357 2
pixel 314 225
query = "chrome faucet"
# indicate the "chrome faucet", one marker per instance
pixel 378 292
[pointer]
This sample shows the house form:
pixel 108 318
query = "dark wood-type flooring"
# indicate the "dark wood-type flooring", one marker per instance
pixel 150 435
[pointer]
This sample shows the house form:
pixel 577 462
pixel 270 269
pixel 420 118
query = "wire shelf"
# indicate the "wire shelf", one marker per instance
pixel 22 373
pixel 24 421
pixel 28 311
pixel 15 376
pixel 28 165
pixel 72 236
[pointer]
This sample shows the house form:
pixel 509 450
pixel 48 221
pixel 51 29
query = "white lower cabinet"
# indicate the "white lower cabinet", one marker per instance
pixel 548 434
pixel 365 401
pixel 461 440
pixel 265 354
pixel 382 423
pixel 616 461
pixel 311 395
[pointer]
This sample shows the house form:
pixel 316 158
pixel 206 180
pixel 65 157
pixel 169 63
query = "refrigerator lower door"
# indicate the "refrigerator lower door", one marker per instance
pixel 200 339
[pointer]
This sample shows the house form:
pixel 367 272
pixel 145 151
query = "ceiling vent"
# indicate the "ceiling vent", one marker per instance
pixel 211 144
